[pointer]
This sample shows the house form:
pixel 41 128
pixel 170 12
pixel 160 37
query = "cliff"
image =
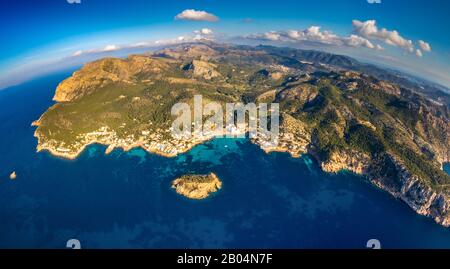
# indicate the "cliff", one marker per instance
pixel 422 198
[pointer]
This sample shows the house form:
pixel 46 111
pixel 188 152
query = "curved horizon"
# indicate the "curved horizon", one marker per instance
pixel 37 46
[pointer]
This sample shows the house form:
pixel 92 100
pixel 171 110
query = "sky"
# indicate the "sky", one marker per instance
pixel 41 36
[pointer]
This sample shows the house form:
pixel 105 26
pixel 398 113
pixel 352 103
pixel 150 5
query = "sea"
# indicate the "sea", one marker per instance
pixel 125 199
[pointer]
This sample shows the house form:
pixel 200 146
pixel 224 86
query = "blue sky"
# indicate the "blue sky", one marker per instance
pixel 39 36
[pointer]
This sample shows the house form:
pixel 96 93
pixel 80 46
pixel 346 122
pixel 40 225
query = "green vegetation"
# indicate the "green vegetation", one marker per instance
pixel 364 139
pixel 366 118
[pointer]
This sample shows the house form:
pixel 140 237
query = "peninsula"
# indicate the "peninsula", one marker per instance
pixel 346 114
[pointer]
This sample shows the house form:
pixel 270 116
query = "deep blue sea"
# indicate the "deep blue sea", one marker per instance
pixel 124 199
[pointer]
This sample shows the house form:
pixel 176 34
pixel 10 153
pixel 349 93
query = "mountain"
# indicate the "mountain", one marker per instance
pixel 318 58
pixel 348 115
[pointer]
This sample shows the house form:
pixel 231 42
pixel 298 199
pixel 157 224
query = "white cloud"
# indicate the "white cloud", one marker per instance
pixel 379 47
pixel 139 45
pixel 204 31
pixel 77 53
pixel 369 30
pixel 184 39
pixel 424 45
pixel 179 39
pixel 419 53
pixel 314 34
pixel 197 35
pixel 357 41
pixel 110 48
pixel 274 36
pixel 196 15
pixel 107 48
pixel 203 34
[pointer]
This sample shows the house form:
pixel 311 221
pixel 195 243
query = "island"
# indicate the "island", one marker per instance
pixel 346 114
pixel 197 186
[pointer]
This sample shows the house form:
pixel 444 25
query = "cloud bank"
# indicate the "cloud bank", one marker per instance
pixel 316 35
pixel 366 34
pixel 107 48
pixel 369 29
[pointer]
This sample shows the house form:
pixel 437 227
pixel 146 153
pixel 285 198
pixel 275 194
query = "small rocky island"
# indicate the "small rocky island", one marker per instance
pixel 197 186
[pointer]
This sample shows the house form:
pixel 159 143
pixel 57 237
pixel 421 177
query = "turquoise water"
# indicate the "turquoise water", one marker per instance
pixel 447 168
pixel 124 199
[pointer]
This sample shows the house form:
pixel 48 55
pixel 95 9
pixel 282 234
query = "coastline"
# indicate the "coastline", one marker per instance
pixel 360 165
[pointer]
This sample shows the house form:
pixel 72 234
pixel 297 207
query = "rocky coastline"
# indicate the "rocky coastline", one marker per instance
pixel 421 198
